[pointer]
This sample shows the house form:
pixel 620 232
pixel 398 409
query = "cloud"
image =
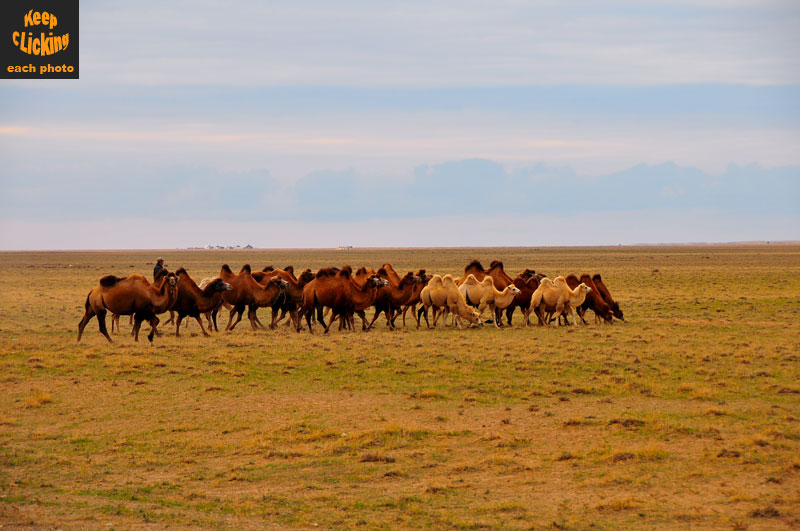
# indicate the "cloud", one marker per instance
pixel 467 187
pixel 443 43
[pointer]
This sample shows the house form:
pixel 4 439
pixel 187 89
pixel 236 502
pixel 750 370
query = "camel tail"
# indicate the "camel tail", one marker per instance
pixel 86 304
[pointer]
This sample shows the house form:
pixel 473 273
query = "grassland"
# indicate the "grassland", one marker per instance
pixel 686 416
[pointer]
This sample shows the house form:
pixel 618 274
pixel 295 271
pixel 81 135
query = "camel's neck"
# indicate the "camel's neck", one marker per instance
pixel 208 302
pixel 363 296
pixel 163 297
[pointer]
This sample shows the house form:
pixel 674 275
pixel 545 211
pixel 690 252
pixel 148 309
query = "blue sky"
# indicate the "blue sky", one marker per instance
pixel 294 124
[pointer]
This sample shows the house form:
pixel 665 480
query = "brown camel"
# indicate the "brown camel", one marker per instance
pixel 192 301
pixel 415 296
pixel 159 275
pixel 603 290
pixel 335 289
pixel 293 295
pixel 247 293
pixel 526 285
pixel 133 295
pixel 394 296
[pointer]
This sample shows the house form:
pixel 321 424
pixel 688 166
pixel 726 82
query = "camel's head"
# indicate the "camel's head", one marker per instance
pixel 513 289
pixel 424 277
pixel 172 280
pixel 409 278
pixel 475 318
pixel 376 282
pixel 277 282
pixel 584 289
pixel 615 309
pixel 220 285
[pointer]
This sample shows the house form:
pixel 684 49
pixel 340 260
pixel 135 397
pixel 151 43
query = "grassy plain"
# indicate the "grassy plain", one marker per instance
pixel 686 416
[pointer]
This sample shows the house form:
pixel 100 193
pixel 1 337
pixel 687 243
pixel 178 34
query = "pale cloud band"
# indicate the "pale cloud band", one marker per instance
pixel 260 112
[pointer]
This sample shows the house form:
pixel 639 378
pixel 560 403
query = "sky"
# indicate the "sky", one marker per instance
pixel 436 123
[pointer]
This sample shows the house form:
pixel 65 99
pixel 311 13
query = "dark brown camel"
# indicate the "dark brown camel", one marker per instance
pixel 193 301
pixel 133 295
pixel 593 300
pixel 293 295
pixel 247 293
pixel 603 290
pixel 335 289
pixel 527 282
pixel 415 296
pixel 393 296
pixel 526 285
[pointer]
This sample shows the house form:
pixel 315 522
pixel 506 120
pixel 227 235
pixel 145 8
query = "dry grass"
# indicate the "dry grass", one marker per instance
pixel 687 415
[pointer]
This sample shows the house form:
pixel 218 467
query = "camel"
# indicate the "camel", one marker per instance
pixel 335 289
pixel 603 290
pixel 496 271
pixel 392 275
pixel 594 301
pixel 248 293
pixel 192 301
pixel 442 293
pixel 556 296
pixel 484 295
pixel 293 295
pixel 133 295
pixel 394 296
pixel 527 284
pixel 415 296
pixel 211 315
pixel 115 316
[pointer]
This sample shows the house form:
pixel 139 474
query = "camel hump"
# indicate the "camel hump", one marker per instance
pixel 268 268
pixel 326 272
pixel 160 274
pixel 289 269
pixel 382 272
pixel 496 263
pixel 227 268
pixel 181 271
pixel 345 272
pixel 597 278
pixel 474 263
pixel 246 269
pixel 361 271
pixel 109 280
pixel 421 273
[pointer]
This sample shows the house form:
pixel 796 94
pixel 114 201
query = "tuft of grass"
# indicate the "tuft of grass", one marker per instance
pixel 376 458
pixel 621 504
pixel 653 452
pixel 627 423
pixel 38 399
pixel 429 394
pixel 765 512
pixel 622 456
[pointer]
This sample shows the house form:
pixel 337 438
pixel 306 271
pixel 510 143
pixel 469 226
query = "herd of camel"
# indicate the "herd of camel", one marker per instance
pixel 341 294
